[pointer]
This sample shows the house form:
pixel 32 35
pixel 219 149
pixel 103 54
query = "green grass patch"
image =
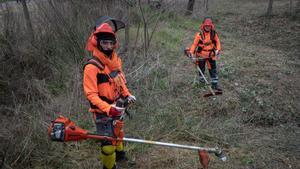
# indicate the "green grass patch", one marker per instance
pixel 56 87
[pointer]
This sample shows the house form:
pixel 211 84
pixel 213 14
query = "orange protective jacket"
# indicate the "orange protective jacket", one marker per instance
pixel 207 45
pixel 100 88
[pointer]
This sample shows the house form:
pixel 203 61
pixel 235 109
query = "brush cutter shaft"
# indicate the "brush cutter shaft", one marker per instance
pixel 210 150
pixel 209 87
pixel 99 137
pixel 193 58
pixel 218 152
pixel 203 75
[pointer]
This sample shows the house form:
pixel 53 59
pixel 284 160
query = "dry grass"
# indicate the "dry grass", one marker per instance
pixel 256 120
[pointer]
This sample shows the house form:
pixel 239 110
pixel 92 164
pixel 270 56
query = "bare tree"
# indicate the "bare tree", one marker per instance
pixel 127 42
pixel 270 7
pixel 27 19
pixel 206 5
pixel 146 33
pixel 148 29
pixel 127 32
pixel 292 12
pixel 190 7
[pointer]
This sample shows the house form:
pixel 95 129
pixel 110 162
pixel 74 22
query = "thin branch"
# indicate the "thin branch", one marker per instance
pixel 145 28
pixel 155 26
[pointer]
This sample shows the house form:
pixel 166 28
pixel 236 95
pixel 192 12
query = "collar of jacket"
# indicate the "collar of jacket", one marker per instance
pixel 113 63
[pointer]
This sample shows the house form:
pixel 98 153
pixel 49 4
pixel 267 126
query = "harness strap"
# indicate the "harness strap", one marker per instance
pixel 212 37
pixel 96 62
pixel 208 50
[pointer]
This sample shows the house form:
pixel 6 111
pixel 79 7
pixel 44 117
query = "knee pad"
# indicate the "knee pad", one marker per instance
pixel 108 149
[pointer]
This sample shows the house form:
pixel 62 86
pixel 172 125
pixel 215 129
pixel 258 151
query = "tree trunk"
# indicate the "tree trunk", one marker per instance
pixel 127 31
pixel 190 7
pixel 127 37
pixel 145 29
pixel 292 12
pixel 206 4
pixel 270 7
pixel 27 19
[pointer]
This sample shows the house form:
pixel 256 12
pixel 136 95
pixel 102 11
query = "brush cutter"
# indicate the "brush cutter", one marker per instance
pixel 63 129
pixel 194 60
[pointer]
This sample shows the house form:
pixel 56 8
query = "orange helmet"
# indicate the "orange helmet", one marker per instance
pixel 103 31
pixel 207 22
pixel 105 27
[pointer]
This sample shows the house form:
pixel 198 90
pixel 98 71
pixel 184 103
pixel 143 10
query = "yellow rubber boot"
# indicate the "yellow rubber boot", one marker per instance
pixel 108 156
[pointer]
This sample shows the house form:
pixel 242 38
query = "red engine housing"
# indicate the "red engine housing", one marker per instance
pixel 63 129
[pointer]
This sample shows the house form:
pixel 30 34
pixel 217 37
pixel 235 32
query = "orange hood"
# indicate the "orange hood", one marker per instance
pixel 207 22
pixel 92 40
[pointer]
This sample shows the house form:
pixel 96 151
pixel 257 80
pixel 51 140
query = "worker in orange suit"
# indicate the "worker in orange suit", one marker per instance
pixel 104 83
pixel 206 47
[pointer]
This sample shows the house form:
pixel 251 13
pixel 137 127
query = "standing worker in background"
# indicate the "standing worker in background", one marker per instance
pixel 103 84
pixel 206 48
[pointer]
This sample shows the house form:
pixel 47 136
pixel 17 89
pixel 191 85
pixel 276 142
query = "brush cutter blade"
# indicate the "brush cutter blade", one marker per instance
pixel 210 94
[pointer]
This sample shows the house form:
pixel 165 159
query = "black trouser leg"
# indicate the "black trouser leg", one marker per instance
pixel 121 156
pixel 104 126
pixel 213 74
pixel 202 68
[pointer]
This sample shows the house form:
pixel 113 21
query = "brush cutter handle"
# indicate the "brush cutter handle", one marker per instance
pixel 187 52
pixel 116 111
pixel 124 103
pixel 203 75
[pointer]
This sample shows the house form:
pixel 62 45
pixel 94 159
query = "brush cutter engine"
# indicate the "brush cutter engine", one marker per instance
pixel 58 132
pixel 124 102
pixel 63 129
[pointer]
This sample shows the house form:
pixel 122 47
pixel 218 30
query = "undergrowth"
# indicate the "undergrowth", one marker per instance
pixel 254 121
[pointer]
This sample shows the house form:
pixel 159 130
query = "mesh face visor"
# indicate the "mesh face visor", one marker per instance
pixel 107 42
pixel 114 23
